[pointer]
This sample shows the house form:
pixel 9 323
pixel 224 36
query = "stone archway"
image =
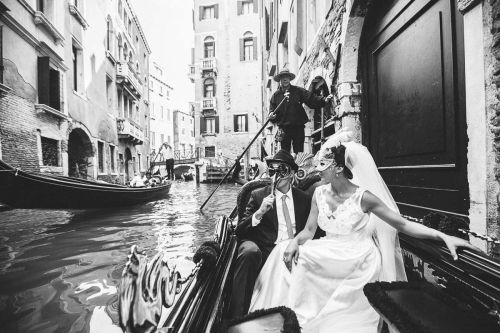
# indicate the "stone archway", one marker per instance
pixel 80 154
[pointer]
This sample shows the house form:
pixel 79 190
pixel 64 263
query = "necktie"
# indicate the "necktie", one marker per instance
pixel 288 221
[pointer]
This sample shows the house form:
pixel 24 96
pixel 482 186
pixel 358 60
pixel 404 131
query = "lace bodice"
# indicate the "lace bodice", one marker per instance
pixel 347 219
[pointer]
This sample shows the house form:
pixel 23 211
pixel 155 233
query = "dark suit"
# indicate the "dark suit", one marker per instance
pixel 257 242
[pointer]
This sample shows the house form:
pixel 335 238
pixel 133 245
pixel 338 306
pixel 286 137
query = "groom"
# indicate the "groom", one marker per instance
pixel 268 220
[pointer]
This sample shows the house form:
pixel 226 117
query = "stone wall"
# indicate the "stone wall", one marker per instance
pixel 492 67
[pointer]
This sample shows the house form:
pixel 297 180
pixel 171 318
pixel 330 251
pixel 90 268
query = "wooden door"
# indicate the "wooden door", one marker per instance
pixel 414 114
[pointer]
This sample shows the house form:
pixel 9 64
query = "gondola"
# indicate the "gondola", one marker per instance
pixel 20 189
pixel 441 295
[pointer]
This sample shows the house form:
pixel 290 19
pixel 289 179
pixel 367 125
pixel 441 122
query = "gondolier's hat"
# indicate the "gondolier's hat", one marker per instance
pixel 283 156
pixel 284 72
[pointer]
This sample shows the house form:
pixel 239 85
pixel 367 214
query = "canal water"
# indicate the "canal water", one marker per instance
pixel 60 269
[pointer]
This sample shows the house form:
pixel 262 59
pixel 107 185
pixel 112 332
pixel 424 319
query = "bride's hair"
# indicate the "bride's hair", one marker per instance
pixel 338 155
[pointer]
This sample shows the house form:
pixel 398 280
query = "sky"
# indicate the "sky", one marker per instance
pixel 168 27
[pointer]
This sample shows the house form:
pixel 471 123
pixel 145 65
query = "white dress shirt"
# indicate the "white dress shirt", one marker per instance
pixel 282 231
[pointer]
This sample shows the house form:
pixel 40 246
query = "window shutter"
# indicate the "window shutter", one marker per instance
pixel 216 124
pixel 255 48
pixel 239 10
pixel 203 125
pixel 216 11
pixel 43 80
pixel 246 123
pixel 201 13
pixel 242 50
pixel 235 123
pixel 255 6
pixel 268 46
pixel 54 95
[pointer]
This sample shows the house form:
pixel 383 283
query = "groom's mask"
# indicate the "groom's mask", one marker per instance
pixel 279 169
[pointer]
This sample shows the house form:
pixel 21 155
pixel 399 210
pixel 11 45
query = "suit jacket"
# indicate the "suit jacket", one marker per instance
pixel 266 233
pixel 292 113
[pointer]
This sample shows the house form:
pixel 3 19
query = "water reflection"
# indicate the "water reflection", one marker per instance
pixel 59 270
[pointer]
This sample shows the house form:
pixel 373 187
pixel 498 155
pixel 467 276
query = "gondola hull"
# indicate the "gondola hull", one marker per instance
pixel 20 189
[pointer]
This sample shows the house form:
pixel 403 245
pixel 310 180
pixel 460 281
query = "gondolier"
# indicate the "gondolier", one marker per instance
pixel 292 117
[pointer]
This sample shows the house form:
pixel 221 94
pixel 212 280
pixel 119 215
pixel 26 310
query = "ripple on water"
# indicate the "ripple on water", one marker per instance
pixel 60 269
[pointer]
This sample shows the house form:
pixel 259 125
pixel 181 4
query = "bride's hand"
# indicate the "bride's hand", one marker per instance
pixel 291 254
pixel 453 243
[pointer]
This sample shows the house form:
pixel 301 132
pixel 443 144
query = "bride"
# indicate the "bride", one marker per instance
pixel 322 280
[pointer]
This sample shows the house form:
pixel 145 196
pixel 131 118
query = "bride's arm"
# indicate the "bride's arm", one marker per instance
pixel 311 225
pixel 371 203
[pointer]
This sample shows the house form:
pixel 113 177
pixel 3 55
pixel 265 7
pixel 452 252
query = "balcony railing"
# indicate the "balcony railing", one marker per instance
pixel 209 103
pixel 209 64
pixel 127 76
pixel 129 130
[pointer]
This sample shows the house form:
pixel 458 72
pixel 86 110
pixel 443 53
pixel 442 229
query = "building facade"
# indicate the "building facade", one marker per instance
pixel 184 138
pixel 422 96
pixel 161 112
pixel 226 71
pixel 75 97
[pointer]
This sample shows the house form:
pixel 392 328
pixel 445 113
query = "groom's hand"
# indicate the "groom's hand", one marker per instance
pixel 265 206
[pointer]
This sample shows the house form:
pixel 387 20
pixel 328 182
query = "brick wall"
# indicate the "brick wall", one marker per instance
pixel 18 133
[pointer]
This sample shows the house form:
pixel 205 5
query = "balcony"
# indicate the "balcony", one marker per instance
pixel 192 72
pixel 209 65
pixel 209 105
pixel 130 131
pixel 126 76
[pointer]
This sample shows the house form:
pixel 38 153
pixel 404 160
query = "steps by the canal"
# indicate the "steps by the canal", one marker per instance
pixel 214 174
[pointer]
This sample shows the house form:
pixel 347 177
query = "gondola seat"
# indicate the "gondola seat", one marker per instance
pixel 275 320
pixel 418 307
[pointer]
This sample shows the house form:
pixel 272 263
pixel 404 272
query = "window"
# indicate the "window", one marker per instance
pixel 112 158
pixel 161 90
pixel 209 12
pixel 161 110
pixel 209 125
pixel 40 5
pixel 139 160
pixel 121 161
pixel 168 139
pixel 209 47
pixel 100 156
pixel 248 47
pixel 210 151
pixel 168 114
pixel 183 131
pixel 209 88
pixel 109 91
pixel 247 7
pixel 241 123
pixel 50 152
pixel 109 34
pixel 162 138
pixel 77 67
pixel 49 92
pixel 134 164
pixel 120 7
pixel 153 139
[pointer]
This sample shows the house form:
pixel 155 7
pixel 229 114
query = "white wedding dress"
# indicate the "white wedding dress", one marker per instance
pixel 325 288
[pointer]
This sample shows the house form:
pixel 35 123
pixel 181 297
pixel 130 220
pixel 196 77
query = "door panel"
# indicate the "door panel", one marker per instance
pixel 416 116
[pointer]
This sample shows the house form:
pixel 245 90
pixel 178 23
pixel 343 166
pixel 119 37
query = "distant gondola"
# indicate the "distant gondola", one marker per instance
pixel 20 189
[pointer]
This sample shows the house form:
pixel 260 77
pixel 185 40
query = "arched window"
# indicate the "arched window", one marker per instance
pixel 109 34
pixel 130 57
pixel 209 88
pixel 209 47
pixel 247 45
